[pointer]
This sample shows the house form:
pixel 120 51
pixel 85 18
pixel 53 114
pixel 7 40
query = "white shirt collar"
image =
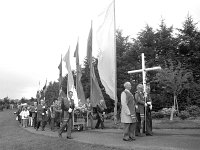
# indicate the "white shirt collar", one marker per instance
pixel 127 90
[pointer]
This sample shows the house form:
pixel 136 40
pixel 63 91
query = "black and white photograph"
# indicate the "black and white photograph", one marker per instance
pixel 99 75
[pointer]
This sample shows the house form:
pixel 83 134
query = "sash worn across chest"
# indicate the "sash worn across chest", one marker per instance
pixel 140 107
pixel 130 101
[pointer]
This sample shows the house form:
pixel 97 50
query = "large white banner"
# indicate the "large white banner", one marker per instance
pixel 105 37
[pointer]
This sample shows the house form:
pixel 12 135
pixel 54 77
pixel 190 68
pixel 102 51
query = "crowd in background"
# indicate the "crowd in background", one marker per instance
pixel 40 115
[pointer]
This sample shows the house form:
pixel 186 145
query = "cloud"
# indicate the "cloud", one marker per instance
pixel 35 33
pixel 16 84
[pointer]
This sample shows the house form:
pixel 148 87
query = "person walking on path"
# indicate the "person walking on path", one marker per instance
pixel 148 130
pixel 67 106
pixel 52 113
pixel 58 113
pixel 34 114
pixel 128 114
pixel 101 107
pixel 140 106
pixel 89 113
pixel 41 115
pixel 24 114
pixel 30 118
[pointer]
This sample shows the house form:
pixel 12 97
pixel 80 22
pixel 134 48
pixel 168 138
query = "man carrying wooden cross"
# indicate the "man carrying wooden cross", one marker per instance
pixel 143 110
pixel 143 70
pixel 140 108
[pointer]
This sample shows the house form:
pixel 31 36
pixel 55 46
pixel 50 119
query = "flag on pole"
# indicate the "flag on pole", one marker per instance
pixel 70 80
pixel 60 73
pixel 105 38
pixel 95 91
pixel 89 48
pixel 79 87
pixel 96 94
pixel 45 87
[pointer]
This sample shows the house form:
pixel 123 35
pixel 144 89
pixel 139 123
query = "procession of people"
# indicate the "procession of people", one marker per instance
pixel 135 113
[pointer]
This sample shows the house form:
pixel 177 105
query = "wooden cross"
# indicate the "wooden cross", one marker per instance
pixel 144 70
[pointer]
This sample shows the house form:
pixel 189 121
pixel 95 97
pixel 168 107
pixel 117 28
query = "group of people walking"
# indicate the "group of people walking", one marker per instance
pixel 33 116
pixel 60 114
pixel 136 112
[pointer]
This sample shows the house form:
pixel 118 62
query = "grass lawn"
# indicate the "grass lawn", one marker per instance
pixel 13 137
pixel 165 123
pixel 177 123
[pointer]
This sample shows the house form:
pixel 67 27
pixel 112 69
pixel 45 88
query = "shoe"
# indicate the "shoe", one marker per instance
pixel 139 135
pixel 132 138
pixel 127 140
pixel 59 135
pixel 69 137
pixel 149 134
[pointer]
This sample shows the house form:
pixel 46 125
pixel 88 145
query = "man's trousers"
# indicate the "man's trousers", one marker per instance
pixel 66 124
pixel 129 131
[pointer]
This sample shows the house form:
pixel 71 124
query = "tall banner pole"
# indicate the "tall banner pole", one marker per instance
pixel 90 64
pixel 144 85
pixel 115 61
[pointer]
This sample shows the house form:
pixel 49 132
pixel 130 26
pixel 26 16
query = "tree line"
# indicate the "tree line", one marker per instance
pixel 176 50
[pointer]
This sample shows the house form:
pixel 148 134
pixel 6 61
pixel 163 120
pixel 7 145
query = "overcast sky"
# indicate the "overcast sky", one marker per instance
pixel 34 34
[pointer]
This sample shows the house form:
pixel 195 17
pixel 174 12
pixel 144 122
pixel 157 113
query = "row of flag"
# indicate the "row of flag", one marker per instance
pixel 104 38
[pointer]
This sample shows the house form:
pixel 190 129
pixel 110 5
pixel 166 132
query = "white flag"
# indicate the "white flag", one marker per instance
pixel 70 80
pixel 105 38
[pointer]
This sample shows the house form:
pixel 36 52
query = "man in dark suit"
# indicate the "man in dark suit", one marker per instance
pixel 101 107
pixel 148 129
pixel 140 107
pixel 34 115
pixel 41 115
pixel 67 106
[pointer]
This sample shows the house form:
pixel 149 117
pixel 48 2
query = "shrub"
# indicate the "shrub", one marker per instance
pixel 157 115
pixel 167 112
pixel 1 107
pixel 184 115
pixel 193 110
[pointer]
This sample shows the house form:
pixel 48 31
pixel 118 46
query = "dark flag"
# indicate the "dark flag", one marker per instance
pixel 44 89
pixel 79 87
pixel 60 73
pixel 95 91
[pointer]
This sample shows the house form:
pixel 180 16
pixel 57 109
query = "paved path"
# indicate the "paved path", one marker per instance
pixel 184 139
pixel 165 139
